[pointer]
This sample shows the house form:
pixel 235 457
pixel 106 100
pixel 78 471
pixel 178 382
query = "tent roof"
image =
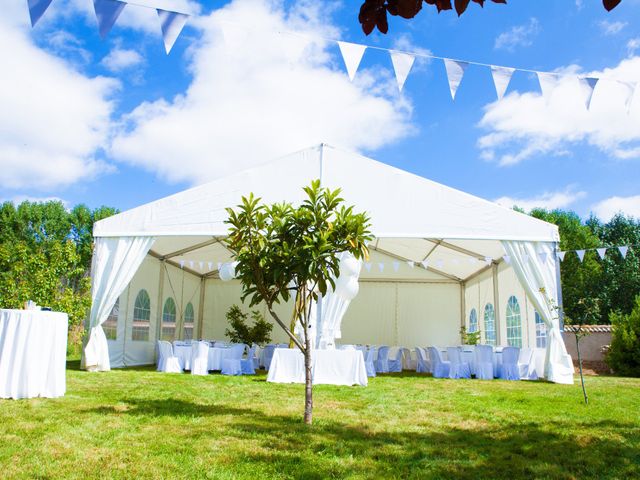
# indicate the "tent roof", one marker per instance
pixel 412 218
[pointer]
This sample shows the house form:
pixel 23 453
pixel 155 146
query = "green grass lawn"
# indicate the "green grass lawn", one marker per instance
pixel 136 423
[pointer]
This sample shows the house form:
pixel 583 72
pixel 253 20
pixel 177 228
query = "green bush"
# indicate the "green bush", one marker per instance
pixel 241 332
pixel 624 353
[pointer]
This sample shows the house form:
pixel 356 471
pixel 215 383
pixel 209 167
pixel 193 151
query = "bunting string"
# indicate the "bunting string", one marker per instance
pixel 173 22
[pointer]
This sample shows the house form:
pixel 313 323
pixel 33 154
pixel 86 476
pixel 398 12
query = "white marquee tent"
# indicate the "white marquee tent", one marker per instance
pixel 453 256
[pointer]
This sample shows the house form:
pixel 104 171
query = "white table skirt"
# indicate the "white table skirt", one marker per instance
pixel 214 362
pixel 329 367
pixel 33 353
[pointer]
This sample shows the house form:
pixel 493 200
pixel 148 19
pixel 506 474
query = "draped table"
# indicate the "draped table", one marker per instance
pixel 214 362
pixel 329 367
pixel 33 353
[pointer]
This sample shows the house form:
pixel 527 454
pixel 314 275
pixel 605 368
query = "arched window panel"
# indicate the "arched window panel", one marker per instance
pixel 541 332
pixel 141 316
pixel 473 321
pixel 514 323
pixel 489 324
pixel 110 325
pixel 189 321
pixel 169 320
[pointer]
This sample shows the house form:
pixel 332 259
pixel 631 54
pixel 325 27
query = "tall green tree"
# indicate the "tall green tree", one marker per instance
pixel 286 252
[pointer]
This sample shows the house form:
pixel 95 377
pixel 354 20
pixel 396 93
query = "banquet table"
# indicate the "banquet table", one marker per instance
pixel 33 353
pixel 214 362
pixel 329 367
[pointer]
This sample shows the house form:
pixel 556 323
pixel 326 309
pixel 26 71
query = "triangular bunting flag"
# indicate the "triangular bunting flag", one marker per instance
pixel 402 63
pixel 181 263
pixel 629 92
pixel 602 252
pixel 425 263
pixel 507 258
pixel 623 251
pixel 381 266
pixel 396 266
pixel 501 78
pixel 588 84
pixel 548 83
pixel 37 9
pixel 107 12
pixel 561 255
pixel 580 254
pixel 488 260
pixel 171 24
pixel 352 54
pixel 411 263
pixel 455 71
pixel 367 266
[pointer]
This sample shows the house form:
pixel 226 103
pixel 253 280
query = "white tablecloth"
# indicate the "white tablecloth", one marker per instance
pixel 216 355
pixel 33 353
pixel 329 367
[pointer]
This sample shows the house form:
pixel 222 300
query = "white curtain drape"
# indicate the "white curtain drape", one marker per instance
pixel 535 266
pixel 115 261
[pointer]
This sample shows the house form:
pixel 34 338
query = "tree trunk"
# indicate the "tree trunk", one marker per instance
pixel 584 390
pixel 308 389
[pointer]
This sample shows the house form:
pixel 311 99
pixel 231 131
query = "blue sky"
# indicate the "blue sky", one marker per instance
pixel 118 122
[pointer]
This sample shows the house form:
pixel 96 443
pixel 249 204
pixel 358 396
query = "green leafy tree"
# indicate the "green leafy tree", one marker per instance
pixel 624 353
pixel 286 252
pixel 240 332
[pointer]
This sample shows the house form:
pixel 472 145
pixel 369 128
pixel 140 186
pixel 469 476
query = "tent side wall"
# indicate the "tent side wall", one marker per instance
pixel 181 286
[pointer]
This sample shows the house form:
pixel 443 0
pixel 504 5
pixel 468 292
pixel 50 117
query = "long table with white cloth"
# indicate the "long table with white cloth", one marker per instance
pixel 329 367
pixel 214 362
pixel 33 353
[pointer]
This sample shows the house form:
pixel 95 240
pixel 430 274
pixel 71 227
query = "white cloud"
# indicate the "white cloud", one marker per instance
pixel 611 28
pixel 546 200
pixel 526 124
pixel 120 59
pixel 518 36
pixel 633 45
pixel 18 199
pixel 608 207
pixel 53 119
pixel 257 94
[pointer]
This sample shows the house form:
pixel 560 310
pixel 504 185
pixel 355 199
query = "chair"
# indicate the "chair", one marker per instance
pixel 510 369
pixel 267 355
pixel 248 365
pixel 421 364
pixel 440 368
pixel 457 368
pixel 232 361
pixel 167 362
pixel 484 362
pixel 199 358
pixel 526 365
pixel 395 364
pixel 382 362
pixel 369 361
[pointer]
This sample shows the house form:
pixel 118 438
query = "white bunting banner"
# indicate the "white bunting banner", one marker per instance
pixel 396 266
pixel 351 54
pixel 367 266
pixel 629 90
pixel 37 9
pixel 425 264
pixel 402 63
pixel 501 78
pixel 488 260
pixel 171 24
pixel 107 12
pixel 602 252
pixel 411 263
pixel 561 256
pixel 181 263
pixel 623 251
pixel 588 84
pixel 580 254
pixel 455 71
pixel 548 83
pixel 381 267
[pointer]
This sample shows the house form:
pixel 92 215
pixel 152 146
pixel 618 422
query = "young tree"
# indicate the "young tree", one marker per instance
pixel 588 313
pixel 285 252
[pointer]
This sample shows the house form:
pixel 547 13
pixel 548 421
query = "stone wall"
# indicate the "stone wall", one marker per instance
pixel 590 345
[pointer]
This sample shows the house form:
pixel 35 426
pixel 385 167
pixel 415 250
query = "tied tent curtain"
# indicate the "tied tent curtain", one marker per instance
pixel 535 266
pixel 115 261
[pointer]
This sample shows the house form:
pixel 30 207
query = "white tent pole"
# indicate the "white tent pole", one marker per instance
pixel 160 297
pixel 496 304
pixel 463 304
pixel 203 284
pixel 560 302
